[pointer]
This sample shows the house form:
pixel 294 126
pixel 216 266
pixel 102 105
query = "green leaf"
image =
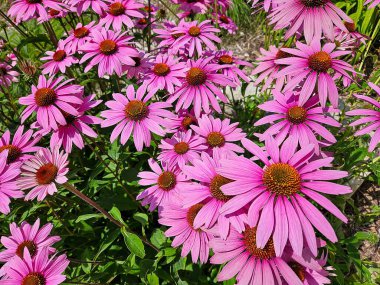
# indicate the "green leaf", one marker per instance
pixel 141 218
pixel 115 213
pixel 87 217
pixel 134 243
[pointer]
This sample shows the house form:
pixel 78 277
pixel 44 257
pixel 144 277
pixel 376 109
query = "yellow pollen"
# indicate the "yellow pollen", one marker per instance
pixel 282 179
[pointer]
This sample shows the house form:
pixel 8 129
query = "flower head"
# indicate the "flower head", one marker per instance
pixel 109 50
pixel 181 148
pixel 75 127
pixel 58 60
pixel 43 172
pixel 267 68
pixel 182 122
pixel 301 122
pixel 99 6
pixel 227 23
pixel 36 271
pixel 249 262
pixel 24 10
pixel 278 194
pixel 313 64
pixel 200 87
pixel 22 144
pixel 119 12
pixel 142 64
pixel 219 135
pixel 165 185
pixel 8 185
pixel 194 35
pixel 181 223
pixel 135 113
pixel 7 74
pixel 50 99
pixel 207 191
pixel 370 119
pixel 165 73
pixel 79 36
pixel 27 236
pixel 310 17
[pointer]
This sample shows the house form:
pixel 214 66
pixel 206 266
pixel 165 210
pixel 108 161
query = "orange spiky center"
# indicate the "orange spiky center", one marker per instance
pixel 282 179
pixel 296 115
pixel 116 9
pixel 215 139
pixel 161 69
pixel 225 59
pixel 46 174
pixel 45 97
pixel 215 185
pixel 192 213
pixel 194 31
pixel 136 110
pixel 59 55
pixel 320 61
pixel 108 47
pixel 81 32
pixel 351 27
pixel 196 76
pixel 224 19
pixel 34 278
pixel 30 245
pixel 14 152
pixel 314 3
pixel 299 270
pixel 181 147
pixel 167 180
pixel 249 238
pixel 187 121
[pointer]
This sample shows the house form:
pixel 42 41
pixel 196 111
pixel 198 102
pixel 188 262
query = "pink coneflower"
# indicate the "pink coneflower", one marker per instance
pixel 313 63
pixel 196 35
pixel 58 60
pixel 227 24
pixel 142 63
pixel 278 194
pixel 76 127
pixel 233 65
pixel 35 271
pixel 181 148
pixel 268 68
pixel 42 173
pixel 311 18
pixel 27 236
pixel 165 185
pixel 193 6
pixel 134 113
pixel 208 192
pixel 181 223
pixel 199 87
pixel 300 122
pixel 349 39
pixel 55 14
pixel 49 99
pixel 119 12
pixel 22 144
pixel 99 6
pixel 8 185
pixel 110 50
pixel 249 262
pixel 79 36
pixel 182 122
pixel 7 74
pixel 371 118
pixel 24 10
pixel 165 73
pixel 373 3
pixel 265 4
pixel 167 35
pixel 219 135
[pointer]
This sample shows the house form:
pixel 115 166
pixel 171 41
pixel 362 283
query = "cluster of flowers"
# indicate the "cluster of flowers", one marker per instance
pixel 254 213
pixel 29 257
